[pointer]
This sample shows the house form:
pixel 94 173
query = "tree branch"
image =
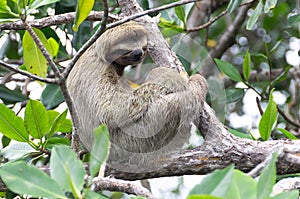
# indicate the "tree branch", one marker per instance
pixel 111 184
pixel 25 73
pixel 55 20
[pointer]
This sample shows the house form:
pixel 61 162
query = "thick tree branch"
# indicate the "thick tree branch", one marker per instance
pixel 219 150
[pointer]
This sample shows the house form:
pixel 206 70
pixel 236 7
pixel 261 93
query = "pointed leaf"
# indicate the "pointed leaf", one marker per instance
pixel 180 13
pixel 268 119
pixel 34 60
pixel 54 46
pixel 233 4
pixel 234 95
pixel 57 122
pixel 287 195
pixel 65 126
pixel 100 149
pixel 38 3
pixel 247 66
pixel 83 9
pixel 12 126
pixel 229 70
pixel 238 188
pixel 36 119
pixel 269 5
pixel 287 134
pixel 202 197
pixel 66 169
pixel 267 179
pixel 11 96
pixel 52 96
pixel 89 194
pixel 16 150
pixel 294 19
pixel 254 17
pixel 24 179
pixel 282 76
pixel 215 184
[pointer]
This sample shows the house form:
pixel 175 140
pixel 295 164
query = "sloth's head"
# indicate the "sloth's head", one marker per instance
pixel 123 45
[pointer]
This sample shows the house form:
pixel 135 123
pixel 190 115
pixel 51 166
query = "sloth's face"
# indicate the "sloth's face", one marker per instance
pixel 130 57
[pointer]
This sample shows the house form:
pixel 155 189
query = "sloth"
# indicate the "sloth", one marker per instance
pixel 144 122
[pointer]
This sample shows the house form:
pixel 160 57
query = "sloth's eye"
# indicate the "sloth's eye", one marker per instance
pixel 122 52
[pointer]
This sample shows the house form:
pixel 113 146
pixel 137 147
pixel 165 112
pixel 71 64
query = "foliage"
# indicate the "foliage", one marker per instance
pixel 233 184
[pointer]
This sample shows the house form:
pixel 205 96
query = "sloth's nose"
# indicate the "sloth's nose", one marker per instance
pixel 137 53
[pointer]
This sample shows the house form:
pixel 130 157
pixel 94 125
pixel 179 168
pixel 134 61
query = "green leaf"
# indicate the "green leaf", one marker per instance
pixel 63 125
pixel 281 77
pixel 215 184
pixel 52 96
pixel 287 134
pixel 16 150
pixel 229 70
pixel 89 194
pixel 66 169
pixel 38 3
pixel 268 119
pixel 5 141
pixel 254 17
pixel 5 9
pixel 247 66
pixel 56 123
pixel 100 149
pixel 34 60
pixel 36 119
pixel 202 197
pixel 269 5
pixel 275 47
pixel 294 19
pixel 55 141
pixel 287 195
pixel 12 126
pixel 180 13
pixel 234 94
pixel 54 46
pixel 11 96
pixel 169 28
pixel 239 134
pixel 83 9
pixel 243 186
pixel 233 4
pixel 267 179
pixel 25 179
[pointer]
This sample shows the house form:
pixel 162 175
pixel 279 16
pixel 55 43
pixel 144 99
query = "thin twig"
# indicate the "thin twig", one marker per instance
pixel 289 120
pixel 55 20
pixel 112 184
pixel 211 21
pixel 25 73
